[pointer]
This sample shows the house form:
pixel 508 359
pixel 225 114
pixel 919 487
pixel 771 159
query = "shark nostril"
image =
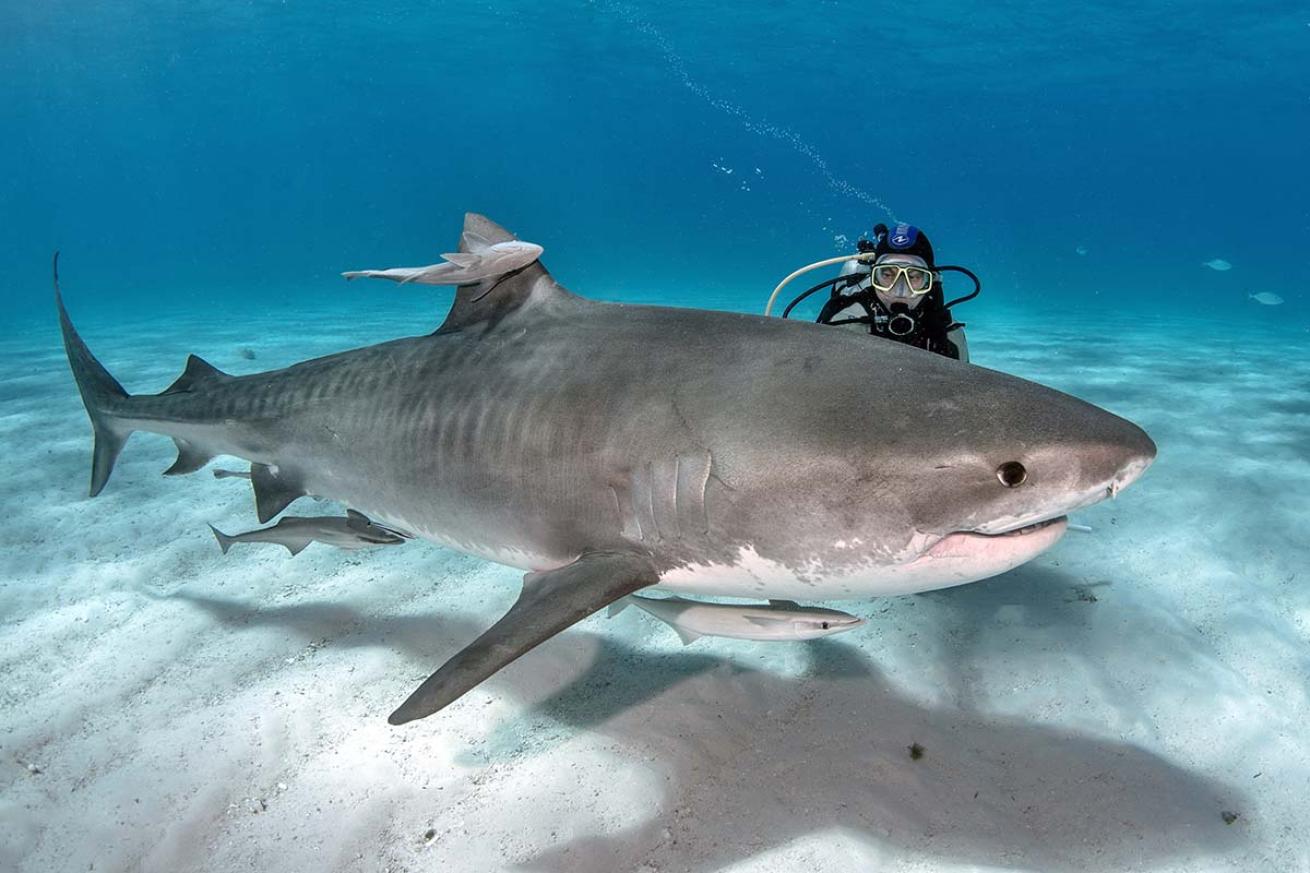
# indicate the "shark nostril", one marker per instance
pixel 1012 474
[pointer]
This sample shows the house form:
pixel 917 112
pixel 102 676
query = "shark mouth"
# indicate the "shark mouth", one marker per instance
pixel 978 555
pixel 1026 529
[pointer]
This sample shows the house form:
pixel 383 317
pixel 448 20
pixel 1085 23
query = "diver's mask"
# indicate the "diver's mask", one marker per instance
pixel 907 280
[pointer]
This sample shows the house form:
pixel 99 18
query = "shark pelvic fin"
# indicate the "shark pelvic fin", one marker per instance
pixel 189 458
pixel 549 603
pixel 275 490
pixel 196 374
pixel 101 394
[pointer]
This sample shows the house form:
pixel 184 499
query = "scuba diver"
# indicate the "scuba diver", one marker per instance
pixel 893 289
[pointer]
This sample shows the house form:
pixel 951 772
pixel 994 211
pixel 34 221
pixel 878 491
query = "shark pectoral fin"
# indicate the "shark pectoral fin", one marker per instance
pixel 687 636
pixel 274 491
pixel 550 602
pixel 189 458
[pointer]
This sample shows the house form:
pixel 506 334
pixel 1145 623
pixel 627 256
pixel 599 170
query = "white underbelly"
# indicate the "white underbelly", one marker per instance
pixel 954 560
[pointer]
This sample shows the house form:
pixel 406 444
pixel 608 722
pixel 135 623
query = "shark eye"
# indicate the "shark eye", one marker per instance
pixel 1012 474
pixel 825 625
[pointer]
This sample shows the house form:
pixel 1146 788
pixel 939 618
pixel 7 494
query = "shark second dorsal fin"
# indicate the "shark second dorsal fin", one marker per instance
pixel 198 372
pixel 491 300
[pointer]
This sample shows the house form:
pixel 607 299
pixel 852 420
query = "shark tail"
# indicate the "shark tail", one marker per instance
pixel 101 394
pixel 224 541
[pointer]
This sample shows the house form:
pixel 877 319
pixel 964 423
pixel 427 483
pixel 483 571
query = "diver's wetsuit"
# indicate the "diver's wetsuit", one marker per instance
pixel 931 320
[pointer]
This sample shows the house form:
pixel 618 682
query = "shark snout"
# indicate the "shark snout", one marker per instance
pixel 1140 451
pixel 1067 475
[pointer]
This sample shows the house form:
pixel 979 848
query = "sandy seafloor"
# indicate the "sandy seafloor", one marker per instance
pixel 167 708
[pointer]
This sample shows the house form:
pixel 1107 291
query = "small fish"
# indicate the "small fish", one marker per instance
pixel 1082 250
pixel 483 260
pixel 1218 264
pixel 231 474
pixel 355 531
pixel 1268 298
pixel 778 620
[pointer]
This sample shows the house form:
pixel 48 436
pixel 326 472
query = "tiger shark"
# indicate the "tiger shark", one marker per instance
pixel 607 448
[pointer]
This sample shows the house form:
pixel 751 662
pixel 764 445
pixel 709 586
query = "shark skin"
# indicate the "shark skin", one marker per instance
pixel 608 447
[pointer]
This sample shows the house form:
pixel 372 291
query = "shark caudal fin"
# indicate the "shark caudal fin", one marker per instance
pixel 101 394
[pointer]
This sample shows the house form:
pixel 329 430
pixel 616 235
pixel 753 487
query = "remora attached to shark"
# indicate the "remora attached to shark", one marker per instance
pixel 775 620
pixel 608 448
pixel 354 531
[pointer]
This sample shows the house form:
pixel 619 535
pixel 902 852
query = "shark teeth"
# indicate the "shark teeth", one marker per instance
pixel 1026 529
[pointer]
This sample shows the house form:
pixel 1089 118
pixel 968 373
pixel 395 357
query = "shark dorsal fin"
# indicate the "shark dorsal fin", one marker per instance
pixel 197 372
pixel 491 300
pixel 472 241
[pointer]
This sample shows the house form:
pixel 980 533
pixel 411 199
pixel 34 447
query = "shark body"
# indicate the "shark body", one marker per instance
pixel 606 448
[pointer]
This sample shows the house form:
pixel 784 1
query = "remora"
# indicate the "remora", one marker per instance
pixel 607 448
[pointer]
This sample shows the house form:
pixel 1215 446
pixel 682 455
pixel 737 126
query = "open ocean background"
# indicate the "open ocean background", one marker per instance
pixel 246 152
pixel 1135 699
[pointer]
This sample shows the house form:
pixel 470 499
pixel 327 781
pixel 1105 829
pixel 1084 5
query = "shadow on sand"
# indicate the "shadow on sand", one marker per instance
pixel 755 760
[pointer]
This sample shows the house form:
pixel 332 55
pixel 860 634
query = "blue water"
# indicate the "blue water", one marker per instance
pixel 207 170
pixel 247 152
